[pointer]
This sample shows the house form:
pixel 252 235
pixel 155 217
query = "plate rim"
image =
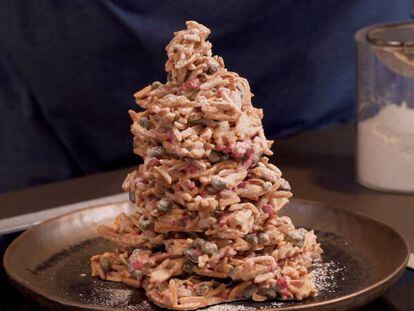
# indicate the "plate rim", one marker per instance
pixel 65 302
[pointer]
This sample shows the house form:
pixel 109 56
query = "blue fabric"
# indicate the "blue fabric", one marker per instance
pixel 68 70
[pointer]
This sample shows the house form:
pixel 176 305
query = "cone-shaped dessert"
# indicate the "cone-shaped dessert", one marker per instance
pixel 206 228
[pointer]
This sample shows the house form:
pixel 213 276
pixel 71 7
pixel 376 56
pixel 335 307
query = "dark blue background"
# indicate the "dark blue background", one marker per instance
pixel 68 70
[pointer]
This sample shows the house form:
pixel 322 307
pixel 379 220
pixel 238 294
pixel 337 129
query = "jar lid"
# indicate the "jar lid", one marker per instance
pixel 392 35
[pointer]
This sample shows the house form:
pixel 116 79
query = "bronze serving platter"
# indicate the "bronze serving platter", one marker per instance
pixel 50 262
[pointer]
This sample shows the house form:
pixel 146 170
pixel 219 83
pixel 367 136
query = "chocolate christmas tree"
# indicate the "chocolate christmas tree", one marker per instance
pixel 206 228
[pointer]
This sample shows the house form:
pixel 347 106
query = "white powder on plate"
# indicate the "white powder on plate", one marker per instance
pixel 386 149
pixel 229 307
pixel 117 298
pixel 111 296
pixel 325 276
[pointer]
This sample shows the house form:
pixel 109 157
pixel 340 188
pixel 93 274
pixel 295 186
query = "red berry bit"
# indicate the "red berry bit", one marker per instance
pixel 137 265
pixel 192 84
pixel 177 187
pixel 154 162
pixel 267 208
pixel 191 185
pixel 282 283
pixel 250 157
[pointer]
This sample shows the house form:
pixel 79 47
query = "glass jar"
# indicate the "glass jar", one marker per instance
pixel 385 114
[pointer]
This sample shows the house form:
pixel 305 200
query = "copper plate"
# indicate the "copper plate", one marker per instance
pixel 49 262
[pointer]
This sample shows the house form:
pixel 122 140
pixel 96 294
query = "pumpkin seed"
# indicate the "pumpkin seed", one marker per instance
pixel 144 122
pixel 249 291
pixel 188 267
pixel 132 196
pixel 218 183
pixel 146 224
pixel 163 205
pixel 156 151
pixel 105 264
pixel 252 238
pixel 190 256
pixel 264 239
pixel 209 248
pixel 202 289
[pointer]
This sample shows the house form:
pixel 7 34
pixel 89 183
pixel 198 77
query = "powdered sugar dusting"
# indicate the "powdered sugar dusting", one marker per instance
pixel 111 296
pixel 325 276
pixel 229 307
pixel 119 298
pixel 274 304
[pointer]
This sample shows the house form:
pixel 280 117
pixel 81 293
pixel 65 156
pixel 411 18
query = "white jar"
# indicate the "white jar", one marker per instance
pixel 385 116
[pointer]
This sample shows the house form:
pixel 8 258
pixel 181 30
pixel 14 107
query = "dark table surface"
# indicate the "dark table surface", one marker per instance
pixel 319 165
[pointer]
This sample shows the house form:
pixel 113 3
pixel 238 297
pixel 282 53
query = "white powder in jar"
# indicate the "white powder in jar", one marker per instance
pixel 386 149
